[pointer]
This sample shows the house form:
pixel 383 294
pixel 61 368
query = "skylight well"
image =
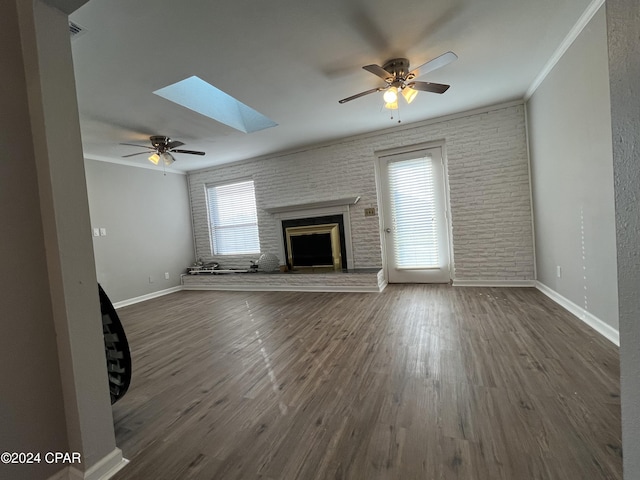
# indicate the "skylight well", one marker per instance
pixel 202 97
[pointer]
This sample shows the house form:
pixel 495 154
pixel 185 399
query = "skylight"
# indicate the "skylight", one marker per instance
pixel 202 97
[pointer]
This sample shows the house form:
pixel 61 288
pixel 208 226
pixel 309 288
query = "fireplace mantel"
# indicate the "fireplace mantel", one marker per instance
pixel 313 205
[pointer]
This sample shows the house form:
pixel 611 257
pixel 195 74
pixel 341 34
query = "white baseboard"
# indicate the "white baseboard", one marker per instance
pixel 594 322
pixel 255 288
pixel 104 469
pixel 148 296
pixel 494 283
pixel 288 288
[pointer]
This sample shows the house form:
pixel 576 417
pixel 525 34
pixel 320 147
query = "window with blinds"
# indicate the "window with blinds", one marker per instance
pixel 233 219
pixel 413 213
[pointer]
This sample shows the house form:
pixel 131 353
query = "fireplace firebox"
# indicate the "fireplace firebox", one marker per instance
pixel 315 244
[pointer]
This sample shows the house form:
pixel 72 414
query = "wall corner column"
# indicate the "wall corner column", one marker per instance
pixel 623 34
pixel 64 209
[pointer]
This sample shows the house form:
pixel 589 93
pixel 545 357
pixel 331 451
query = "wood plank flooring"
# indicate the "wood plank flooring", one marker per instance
pixel 417 382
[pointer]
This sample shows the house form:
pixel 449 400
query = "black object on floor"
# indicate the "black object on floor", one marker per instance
pixel 116 349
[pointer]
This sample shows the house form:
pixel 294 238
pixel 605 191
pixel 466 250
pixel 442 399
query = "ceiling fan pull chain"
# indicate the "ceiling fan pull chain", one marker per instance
pixel 397 110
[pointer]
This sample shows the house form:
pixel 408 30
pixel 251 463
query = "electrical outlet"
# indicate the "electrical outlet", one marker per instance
pixel 559 271
pixel 166 275
pixel 151 279
pixel 370 212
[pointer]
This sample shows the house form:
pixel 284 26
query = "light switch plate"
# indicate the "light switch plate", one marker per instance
pixel 103 232
pixel 96 232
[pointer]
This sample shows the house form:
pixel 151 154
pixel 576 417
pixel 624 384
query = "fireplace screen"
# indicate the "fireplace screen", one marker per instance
pixel 314 247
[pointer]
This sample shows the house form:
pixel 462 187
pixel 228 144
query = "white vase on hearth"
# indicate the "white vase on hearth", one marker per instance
pixel 268 262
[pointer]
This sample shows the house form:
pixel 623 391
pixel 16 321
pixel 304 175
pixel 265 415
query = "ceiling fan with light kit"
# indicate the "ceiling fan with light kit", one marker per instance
pixel 400 79
pixel 161 149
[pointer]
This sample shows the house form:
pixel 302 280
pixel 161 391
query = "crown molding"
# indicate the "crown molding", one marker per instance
pixel 582 22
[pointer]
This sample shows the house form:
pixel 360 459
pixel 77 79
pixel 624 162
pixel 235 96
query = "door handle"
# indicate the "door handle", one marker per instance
pixel 388 230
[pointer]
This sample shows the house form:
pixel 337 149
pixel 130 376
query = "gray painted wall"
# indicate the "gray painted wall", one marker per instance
pixel 623 25
pixel 148 222
pixel 572 176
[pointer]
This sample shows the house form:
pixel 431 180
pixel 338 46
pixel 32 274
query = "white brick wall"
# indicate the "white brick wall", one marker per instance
pixel 488 181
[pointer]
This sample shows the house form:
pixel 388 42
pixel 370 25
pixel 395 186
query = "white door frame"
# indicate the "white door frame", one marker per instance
pixel 380 155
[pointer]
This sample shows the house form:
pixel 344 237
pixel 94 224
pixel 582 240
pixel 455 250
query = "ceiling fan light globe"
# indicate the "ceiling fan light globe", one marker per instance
pixel 391 95
pixel 155 158
pixel 391 105
pixel 409 94
pixel 167 158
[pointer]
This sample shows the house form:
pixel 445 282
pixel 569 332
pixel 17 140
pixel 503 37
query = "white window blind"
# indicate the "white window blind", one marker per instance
pixel 413 213
pixel 233 220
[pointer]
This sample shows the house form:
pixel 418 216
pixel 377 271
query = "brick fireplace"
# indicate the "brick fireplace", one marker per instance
pixel 315 219
pixel 316 237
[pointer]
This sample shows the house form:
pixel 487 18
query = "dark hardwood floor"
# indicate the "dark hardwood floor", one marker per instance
pixel 418 382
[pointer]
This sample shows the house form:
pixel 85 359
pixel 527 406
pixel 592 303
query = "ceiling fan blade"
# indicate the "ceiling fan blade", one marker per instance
pixel 379 71
pixel 362 94
pixel 141 146
pixel 434 64
pixel 174 144
pixel 428 87
pixel 191 152
pixel 134 154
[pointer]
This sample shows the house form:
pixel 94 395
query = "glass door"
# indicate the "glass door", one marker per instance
pixel 414 217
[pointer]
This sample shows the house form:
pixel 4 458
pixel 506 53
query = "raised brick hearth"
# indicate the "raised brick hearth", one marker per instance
pixel 365 280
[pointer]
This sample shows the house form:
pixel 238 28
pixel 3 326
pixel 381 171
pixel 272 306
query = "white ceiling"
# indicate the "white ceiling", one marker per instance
pixel 292 60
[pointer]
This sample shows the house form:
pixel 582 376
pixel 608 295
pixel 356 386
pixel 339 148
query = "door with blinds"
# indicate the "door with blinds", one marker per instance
pixel 414 218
